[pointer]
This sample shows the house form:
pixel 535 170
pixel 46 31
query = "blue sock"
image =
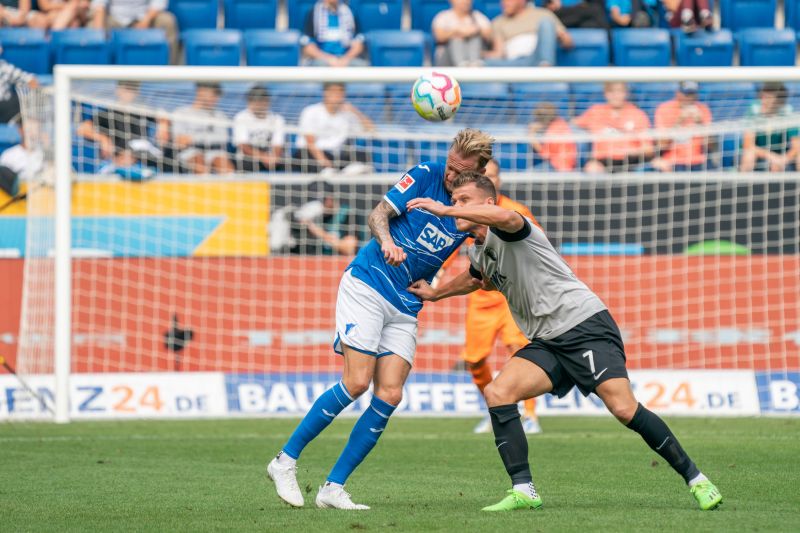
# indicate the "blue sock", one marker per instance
pixel 321 414
pixel 362 439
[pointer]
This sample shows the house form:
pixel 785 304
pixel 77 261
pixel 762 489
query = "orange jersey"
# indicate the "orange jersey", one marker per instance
pixel 618 130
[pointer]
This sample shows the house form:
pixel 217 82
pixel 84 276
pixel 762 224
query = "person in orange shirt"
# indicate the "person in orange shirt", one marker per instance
pixel 488 317
pixel 617 125
pixel 561 155
pixel 682 152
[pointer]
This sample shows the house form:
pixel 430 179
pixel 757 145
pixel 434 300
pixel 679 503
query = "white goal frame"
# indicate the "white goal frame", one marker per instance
pixel 65 75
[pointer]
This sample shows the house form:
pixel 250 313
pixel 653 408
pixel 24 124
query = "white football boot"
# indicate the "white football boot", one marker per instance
pixel 285 478
pixel 332 496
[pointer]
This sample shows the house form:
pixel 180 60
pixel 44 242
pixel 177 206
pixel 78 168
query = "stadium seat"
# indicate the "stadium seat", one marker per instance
pixel 704 49
pixel 486 103
pixel 81 46
pixel 529 95
pixel 648 96
pixel 728 101
pixel 641 47
pixel 298 9
pixel 423 11
pixel 387 155
pixel 398 100
pixel 792 19
pixel 369 98
pixel 396 48
pixel 213 47
pixel 738 14
pixel 585 95
pixel 194 14
pixel 250 14
pixel 490 8
pixel 27 48
pixel 272 48
pixel 378 14
pixel 289 99
pixel 591 49
pixel 9 136
pixel 140 47
pixel 761 47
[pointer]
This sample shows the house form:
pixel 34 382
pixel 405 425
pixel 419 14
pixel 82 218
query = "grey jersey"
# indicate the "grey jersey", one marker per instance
pixel 545 297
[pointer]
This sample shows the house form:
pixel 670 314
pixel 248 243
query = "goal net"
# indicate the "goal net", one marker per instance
pixel 208 237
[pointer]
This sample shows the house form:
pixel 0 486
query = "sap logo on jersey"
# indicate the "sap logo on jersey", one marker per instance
pixel 433 239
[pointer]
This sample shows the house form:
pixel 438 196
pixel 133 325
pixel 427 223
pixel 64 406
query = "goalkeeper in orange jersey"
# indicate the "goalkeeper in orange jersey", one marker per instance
pixel 488 317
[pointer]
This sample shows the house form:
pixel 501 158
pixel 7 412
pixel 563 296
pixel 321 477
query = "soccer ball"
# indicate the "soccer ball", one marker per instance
pixel 436 96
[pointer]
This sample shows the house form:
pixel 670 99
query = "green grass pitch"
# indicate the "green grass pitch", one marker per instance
pixel 424 475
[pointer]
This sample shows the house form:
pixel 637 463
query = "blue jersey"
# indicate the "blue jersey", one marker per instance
pixel 426 239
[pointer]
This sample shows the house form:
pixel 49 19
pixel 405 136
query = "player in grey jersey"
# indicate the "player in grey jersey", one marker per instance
pixel 574 339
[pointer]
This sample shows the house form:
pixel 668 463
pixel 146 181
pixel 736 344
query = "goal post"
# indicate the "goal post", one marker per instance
pixel 625 233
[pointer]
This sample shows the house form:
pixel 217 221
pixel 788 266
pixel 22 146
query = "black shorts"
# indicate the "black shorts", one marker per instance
pixel 587 355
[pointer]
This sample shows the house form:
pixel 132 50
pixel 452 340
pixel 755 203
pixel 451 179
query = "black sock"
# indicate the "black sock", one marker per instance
pixel 512 445
pixel 658 436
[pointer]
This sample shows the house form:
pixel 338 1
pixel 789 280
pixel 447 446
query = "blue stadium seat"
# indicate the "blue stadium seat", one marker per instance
pixel 9 136
pixel 194 14
pixel 378 14
pixel 514 157
pixel 81 46
pixel 529 95
pixel 648 96
pixel 298 9
pixel 486 103
pixel 250 14
pixel 27 48
pixel 641 47
pixel 289 99
pixel 727 101
pixel 396 48
pixel 704 49
pixel 423 11
pixel 370 98
pixel 792 8
pixel 585 95
pixel 591 49
pixel 221 48
pixel 761 47
pixel 490 8
pixel 140 47
pixel 738 14
pixel 387 155
pixel 398 100
pixel 272 48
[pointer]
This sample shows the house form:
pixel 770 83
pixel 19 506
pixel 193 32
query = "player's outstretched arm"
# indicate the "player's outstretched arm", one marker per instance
pixel 379 225
pixel 486 214
pixel 464 283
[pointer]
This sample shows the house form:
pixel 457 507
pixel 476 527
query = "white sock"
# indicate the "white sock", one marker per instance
pixel 285 460
pixel 332 484
pixel 697 479
pixel 526 488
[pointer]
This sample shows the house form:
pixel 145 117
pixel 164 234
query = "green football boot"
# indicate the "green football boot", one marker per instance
pixel 707 495
pixel 514 501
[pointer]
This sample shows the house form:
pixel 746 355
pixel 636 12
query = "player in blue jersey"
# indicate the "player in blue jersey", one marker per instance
pixel 376 316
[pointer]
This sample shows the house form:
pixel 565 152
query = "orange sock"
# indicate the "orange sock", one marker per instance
pixel 481 374
pixel 530 408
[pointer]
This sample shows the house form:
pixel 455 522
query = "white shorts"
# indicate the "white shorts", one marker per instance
pixel 208 155
pixel 367 323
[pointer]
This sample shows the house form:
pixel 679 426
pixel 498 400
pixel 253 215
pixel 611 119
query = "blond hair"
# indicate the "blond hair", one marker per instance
pixel 471 142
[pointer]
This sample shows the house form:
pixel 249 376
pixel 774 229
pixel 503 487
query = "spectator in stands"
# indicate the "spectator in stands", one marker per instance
pixel 326 129
pixel 17 163
pixel 586 14
pixel 62 14
pixel 682 152
pixel 767 147
pixel 632 13
pixel 10 77
pixel 326 225
pixel 259 135
pixel 525 35
pixel 200 132
pixel 689 15
pixel 140 14
pixel 123 135
pixel 560 154
pixel 18 13
pixel 461 33
pixel 331 36
pixel 617 128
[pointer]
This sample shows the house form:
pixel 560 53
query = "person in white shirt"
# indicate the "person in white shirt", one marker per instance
pixel 19 163
pixel 259 135
pixel 200 133
pixel 325 131
pixel 461 33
